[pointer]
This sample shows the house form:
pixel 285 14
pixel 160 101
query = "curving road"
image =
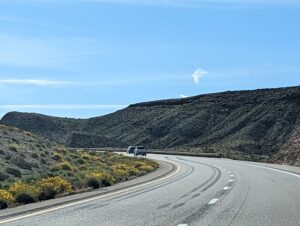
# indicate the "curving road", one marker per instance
pixel 204 191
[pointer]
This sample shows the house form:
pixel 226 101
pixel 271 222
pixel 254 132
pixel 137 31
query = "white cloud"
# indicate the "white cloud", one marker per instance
pixel 198 74
pixel 35 82
pixel 182 96
pixel 63 107
pixel 119 81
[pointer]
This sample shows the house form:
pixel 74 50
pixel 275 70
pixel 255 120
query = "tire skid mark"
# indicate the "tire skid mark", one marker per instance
pixel 175 179
pixel 178 205
pixel 164 206
pixel 196 195
pixel 241 206
pixel 197 215
pixel 210 181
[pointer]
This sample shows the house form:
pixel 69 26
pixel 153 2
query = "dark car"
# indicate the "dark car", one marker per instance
pixel 140 150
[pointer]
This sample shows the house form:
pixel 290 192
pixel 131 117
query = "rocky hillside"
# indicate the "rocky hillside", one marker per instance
pixel 23 155
pixel 242 124
pixel 56 128
pixel 290 152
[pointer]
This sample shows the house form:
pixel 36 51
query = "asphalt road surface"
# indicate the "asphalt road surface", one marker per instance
pixel 204 191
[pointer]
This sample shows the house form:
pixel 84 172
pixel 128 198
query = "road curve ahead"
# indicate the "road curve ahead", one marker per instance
pixel 204 192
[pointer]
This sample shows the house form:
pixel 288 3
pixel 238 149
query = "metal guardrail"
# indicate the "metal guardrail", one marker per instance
pixel 151 151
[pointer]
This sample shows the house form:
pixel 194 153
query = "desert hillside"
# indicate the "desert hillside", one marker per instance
pixel 241 124
pixel 34 169
pixel 290 152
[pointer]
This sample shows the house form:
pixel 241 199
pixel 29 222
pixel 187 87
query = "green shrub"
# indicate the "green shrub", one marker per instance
pixel 44 161
pixel 35 155
pixel 3 205
pixel 106 183
pixel 86 156
pixel 8 156
pixel 24 198
pixel 29 134
pixel 93 182
pixel 78 183
pixel 75 157
pixel 103 178
pixel 3 176
pixel 22 163
pixel 64 151
pixel 66 166
pixel 13 171
pixel 13 147
pixel 80 161
pixel 57 157
pixel 82 168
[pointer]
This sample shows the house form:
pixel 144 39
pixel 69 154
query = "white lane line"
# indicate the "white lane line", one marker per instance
pixel 232 175
pixel 182 225
pixel 226 188
pixel 89 199
pixel 269 168
pixel 230 181
pixel 213 201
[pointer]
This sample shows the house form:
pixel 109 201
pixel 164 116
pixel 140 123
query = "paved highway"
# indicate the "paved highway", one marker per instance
pixel 204 191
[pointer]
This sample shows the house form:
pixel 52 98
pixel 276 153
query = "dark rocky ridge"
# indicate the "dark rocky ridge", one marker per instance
pixel 237 124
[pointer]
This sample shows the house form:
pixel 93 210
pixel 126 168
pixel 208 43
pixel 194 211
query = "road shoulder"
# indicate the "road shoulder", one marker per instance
pixel 165 169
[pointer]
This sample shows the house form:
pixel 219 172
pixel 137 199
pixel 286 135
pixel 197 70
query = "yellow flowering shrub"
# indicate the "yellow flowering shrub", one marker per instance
pixel 145 167
pixel 52 186
pixel 102 176
pixel 65 165
pixel 6 196
pixel 86 156
pixel 24 193
pixel 124 169
pixel 99 179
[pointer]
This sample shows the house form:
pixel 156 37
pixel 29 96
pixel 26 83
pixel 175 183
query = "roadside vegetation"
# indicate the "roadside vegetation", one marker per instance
pixel 33 169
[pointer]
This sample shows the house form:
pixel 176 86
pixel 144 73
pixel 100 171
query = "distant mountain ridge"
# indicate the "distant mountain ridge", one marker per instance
pixel 237 124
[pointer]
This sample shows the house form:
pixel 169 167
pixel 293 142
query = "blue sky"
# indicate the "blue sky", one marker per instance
pixel 83 58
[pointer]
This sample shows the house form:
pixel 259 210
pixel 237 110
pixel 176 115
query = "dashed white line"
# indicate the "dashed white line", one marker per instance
pixel 226 188
pixel 232 175
pixel 231 181
pixel 213 201
pixel 182 225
